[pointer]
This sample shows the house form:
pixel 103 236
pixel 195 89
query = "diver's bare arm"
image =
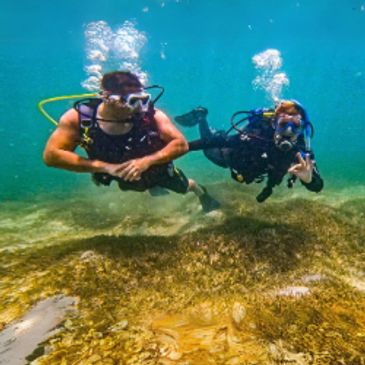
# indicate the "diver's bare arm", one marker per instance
pixel 59 151
pixel 176 142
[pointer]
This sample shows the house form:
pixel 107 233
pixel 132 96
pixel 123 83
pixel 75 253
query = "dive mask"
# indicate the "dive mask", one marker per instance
pixel 287 130
pixel 136 102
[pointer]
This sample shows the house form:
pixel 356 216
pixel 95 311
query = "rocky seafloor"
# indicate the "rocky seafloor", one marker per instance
pixel 155 281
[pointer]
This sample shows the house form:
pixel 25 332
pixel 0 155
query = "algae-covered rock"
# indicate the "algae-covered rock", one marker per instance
pixel 281 355
pixel 20 339
pixel 294 291
pixel 120 326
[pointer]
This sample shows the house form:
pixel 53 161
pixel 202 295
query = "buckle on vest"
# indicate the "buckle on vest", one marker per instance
pixel 86 140
pixel 236 176
pixel 86 123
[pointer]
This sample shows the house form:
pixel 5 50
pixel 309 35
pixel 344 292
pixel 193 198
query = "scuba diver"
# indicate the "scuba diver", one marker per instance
pixel 126 139
pixel 272 143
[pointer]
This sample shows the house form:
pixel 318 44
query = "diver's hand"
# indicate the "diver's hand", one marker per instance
pixel 133 169
pixel 304 169
pixel 113 169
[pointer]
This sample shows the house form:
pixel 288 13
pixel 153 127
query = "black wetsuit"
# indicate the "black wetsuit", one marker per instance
pixel 143 139
pixel 252 155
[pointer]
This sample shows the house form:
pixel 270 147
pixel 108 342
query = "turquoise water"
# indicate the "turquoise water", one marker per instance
pixel 201 52
pixel 157 281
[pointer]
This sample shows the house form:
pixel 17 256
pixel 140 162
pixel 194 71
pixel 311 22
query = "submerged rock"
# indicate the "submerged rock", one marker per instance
pixel 312 278
pixel 238 313
pixel 120 326
pixel 281 355
pixel 294 291
pixel 88 256
pixel 21 339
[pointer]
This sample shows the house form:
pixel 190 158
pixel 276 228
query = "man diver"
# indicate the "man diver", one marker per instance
pixel 273 142
pixel 126 139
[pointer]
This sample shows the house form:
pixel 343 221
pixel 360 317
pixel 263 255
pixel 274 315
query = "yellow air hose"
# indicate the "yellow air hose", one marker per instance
pixel 268 114
pixel 60 98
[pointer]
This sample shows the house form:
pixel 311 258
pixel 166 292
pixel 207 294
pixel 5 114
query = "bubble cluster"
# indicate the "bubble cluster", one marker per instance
pixel 108 50
pixel 163 50
pixel 269 78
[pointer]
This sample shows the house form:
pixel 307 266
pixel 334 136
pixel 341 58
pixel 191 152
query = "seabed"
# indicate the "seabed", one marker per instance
pixel 279 283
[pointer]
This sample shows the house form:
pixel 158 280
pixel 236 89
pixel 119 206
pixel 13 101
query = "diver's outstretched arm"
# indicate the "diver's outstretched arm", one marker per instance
pixel 306 170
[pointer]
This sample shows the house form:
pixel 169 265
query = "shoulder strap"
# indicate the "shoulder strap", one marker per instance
pixel 148 120
pixel 87 109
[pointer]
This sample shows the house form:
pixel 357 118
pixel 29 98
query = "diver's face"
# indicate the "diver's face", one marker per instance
pixel 116 102
pixel 287 130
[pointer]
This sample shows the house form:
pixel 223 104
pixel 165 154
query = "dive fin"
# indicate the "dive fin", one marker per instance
pixel 192 118
pixel 208 202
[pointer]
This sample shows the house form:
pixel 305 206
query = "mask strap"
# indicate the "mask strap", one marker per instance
pixel 162 90
pixel 308 132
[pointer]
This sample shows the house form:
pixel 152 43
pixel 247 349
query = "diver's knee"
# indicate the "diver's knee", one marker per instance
pixel 195 188
pixel 192 185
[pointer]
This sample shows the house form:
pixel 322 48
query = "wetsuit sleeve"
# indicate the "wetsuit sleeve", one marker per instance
pixel 316 185
pixel 216 141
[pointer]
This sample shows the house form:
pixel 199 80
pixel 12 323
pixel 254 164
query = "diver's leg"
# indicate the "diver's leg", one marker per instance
pixel 205 131
pixel 215 138
pixel 176 181
pixel 212 154
pixel 193 117
pixel 207 136
pixel 207 201
pixel 216 156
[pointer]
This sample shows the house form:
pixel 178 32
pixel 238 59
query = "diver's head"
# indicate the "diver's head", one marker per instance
pixel 122 91
pixel 288 124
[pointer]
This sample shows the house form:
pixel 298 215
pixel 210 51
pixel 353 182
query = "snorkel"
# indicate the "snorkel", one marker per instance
pixel 140 100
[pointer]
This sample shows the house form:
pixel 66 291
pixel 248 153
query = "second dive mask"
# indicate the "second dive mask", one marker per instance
pixel 287 130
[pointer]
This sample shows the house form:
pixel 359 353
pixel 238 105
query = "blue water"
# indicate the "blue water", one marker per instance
pixel 207 51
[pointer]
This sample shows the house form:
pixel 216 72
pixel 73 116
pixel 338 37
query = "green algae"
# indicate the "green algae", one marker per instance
pixel 170 299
